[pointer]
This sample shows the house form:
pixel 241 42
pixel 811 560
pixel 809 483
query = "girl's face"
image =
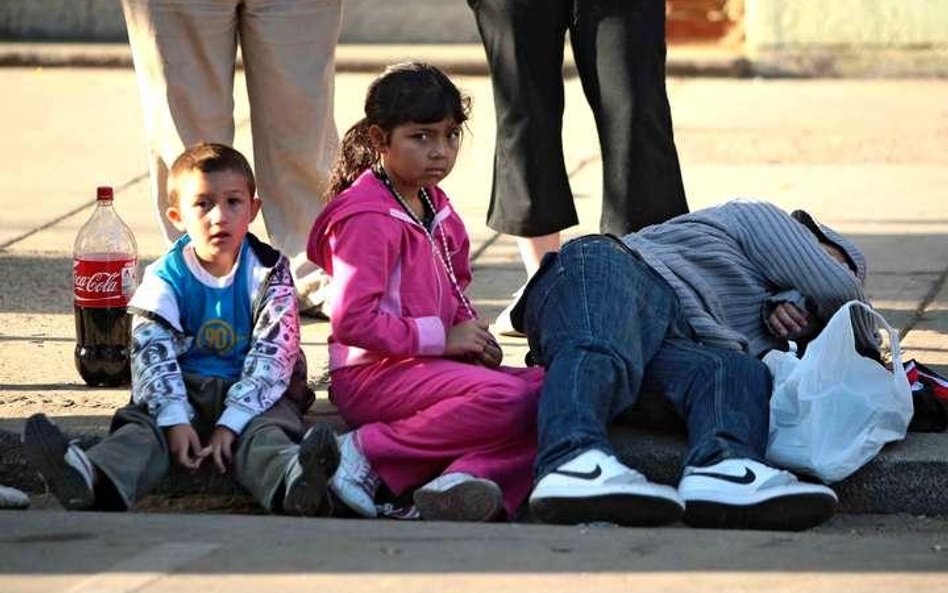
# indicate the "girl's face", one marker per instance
pixel 418 155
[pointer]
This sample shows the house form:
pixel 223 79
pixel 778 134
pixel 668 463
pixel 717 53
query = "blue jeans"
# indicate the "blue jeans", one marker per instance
pixel 606 327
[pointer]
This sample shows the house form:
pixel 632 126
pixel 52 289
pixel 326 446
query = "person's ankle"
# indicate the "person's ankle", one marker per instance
pixel 79 460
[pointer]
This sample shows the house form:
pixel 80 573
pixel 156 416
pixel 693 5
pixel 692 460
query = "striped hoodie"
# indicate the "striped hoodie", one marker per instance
pixel 726 263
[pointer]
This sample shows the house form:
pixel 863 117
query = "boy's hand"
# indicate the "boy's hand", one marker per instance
pixel 790 322
pixel 221 446
pixel 469 337
pixel 185 446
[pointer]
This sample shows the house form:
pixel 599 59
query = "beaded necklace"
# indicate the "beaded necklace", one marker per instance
pixel 443 252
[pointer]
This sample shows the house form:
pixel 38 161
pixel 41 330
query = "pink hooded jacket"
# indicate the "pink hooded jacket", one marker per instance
pixel 391 293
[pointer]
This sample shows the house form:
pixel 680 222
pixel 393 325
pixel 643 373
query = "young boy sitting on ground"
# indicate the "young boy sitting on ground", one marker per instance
pixel 217 370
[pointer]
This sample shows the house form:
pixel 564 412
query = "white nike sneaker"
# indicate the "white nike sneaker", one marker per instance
pixel 596 487
pixel 355 482
pixel 458 496
pixel 747 494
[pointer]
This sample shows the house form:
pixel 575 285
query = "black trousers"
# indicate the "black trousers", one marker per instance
pixel 619 49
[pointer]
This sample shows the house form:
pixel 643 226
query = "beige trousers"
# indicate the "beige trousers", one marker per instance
pixel 185 55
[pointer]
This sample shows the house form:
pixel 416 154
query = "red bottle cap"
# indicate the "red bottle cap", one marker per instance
pixel 104 192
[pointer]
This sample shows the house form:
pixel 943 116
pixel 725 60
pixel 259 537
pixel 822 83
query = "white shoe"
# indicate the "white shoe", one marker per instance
pixel 355 482
pixel 502 324
pixel 747 494
pixel 597 487
pixel 457 496
pixel 11 498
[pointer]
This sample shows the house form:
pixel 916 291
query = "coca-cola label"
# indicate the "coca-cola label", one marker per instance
pixel 103 284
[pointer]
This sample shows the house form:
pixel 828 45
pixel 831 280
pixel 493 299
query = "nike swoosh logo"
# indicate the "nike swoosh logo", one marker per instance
pixel 590 475
pixel 747 478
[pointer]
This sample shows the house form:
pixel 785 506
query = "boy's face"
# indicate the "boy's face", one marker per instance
pixel 215 210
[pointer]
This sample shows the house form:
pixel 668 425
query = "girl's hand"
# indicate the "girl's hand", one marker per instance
pixel 492 355
pixel 468 337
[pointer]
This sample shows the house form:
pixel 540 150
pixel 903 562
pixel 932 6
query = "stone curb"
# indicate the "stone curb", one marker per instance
pixel 907 477
pixel 461 59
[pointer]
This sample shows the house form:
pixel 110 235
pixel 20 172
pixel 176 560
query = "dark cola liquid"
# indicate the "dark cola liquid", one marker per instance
pixel 103 336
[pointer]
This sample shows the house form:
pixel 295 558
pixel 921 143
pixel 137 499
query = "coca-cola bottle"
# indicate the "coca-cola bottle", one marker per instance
pixel 104 276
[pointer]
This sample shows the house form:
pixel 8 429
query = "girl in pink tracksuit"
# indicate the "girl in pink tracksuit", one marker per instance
pixel 412 366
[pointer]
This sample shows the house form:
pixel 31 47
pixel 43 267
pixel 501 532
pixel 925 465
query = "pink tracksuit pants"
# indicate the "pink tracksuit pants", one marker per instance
pixel 418 418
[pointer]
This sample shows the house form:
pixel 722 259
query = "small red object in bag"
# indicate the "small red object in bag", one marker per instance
pixel 929 397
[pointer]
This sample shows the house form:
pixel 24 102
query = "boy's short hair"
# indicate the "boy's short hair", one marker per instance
pixel 209 157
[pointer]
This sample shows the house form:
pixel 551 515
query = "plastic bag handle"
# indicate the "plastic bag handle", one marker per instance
pixel 894 346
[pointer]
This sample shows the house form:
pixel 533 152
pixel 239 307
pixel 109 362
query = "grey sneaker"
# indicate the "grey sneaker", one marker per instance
pixel 63 465
pixel 458 496
pixel 308 473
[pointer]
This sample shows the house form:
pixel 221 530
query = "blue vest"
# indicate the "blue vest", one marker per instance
pixel 219 319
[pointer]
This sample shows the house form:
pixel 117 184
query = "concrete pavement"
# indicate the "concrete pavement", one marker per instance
pixel 868 157
pixel 152 553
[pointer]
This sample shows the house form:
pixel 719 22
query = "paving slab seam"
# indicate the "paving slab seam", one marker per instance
pixel 926 302
pixel 86 205
pixel 73 212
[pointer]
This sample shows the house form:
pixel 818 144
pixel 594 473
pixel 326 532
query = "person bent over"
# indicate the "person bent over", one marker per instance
pixel 682 309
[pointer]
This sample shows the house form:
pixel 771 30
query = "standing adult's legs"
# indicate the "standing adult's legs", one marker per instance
pixel 289 56
pixel 524 42
pixel 184 54
pixel 619 46
pixel 530 198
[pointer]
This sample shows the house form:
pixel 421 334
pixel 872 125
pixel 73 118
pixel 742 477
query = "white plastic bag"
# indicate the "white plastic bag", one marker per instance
pixel 833 410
